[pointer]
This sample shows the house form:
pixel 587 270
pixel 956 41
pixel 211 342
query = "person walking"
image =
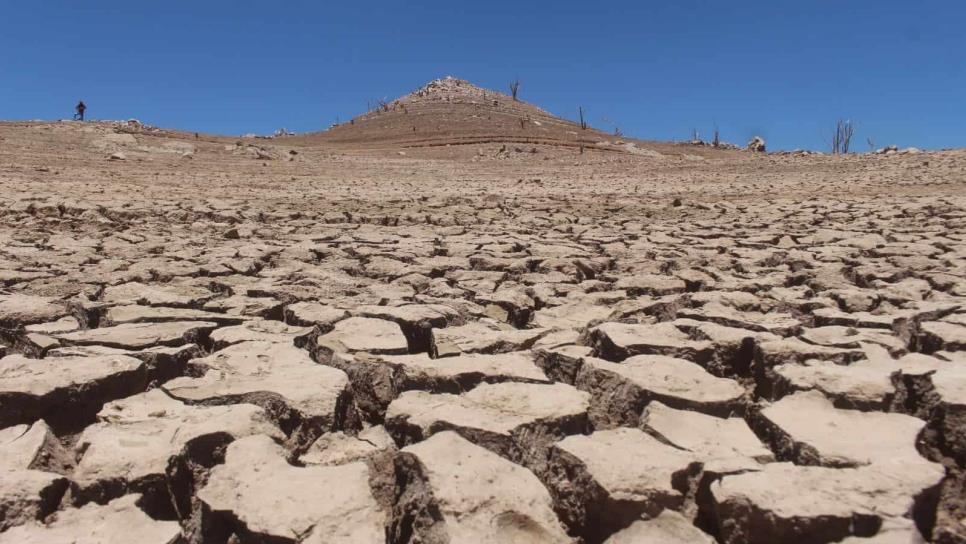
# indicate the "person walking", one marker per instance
pixel 81 108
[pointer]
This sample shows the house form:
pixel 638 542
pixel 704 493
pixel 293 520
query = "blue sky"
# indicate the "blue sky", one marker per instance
pixel 783 69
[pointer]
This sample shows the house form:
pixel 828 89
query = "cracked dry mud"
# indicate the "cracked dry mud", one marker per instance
pixel 338 343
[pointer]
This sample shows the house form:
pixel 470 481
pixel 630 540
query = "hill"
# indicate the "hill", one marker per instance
pixel 453 111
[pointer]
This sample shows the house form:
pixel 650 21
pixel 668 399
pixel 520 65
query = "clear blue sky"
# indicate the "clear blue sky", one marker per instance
pixel 785 69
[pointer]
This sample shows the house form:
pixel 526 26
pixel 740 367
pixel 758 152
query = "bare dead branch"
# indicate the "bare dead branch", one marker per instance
pixel 514 87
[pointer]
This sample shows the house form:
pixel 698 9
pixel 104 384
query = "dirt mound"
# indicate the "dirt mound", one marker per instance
pixel 453 111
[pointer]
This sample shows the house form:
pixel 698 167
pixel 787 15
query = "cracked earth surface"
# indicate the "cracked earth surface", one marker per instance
pixel 328 345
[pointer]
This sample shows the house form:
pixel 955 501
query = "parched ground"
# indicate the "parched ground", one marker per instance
pixel 498 338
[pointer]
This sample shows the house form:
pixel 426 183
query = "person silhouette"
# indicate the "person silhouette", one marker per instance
pixel 81 108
